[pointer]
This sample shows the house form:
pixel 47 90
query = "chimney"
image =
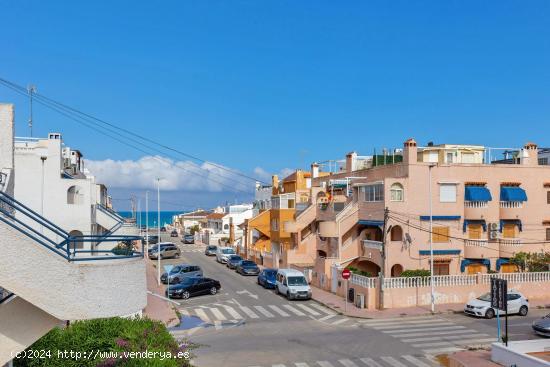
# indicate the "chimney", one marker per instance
pixel 275 184
pixel 6 136
pixel 314 170
pixel 351 159
pixel 410 154
pixel 529 155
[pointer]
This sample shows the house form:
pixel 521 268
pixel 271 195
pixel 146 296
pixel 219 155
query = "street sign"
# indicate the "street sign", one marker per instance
pixel 499 292
pixel 346 274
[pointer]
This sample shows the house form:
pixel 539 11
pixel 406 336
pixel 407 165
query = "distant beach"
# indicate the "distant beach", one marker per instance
pixel 165 217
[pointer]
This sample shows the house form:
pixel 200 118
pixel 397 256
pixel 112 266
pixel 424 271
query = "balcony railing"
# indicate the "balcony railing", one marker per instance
pixel 67 248
pixel 375 245
pixel 366 282
pixel 476 204
pixel 478 242
pixel 518 277
pixel 510 241
pixel 511 204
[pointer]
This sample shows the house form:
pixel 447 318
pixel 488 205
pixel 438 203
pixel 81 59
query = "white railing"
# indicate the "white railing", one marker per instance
pixel 510 241
pixel 478 243
pixel 360 280
pixel 476 204
pixel 518 277
pixel 511 204
pixel 439 281
pixel 375 245
pixel 351 207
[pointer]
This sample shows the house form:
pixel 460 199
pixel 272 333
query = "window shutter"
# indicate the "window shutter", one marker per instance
pixel 440 234
pixel 447 193
pixel 474 231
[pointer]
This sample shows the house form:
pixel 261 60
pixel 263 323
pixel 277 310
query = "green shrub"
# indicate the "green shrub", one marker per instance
pixel 415 273
pixel 354 270
pixel 123 248
pixel 104 336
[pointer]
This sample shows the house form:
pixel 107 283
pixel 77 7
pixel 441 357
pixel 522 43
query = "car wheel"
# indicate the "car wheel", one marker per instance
pixel 523 311
pixel 213 290
pixel 490 313
pixel 288 295
pixel 185 295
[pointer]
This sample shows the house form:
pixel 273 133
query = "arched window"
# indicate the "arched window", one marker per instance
pixel 396 270
pixel 396 233
pixel 74 195
pixel 396 192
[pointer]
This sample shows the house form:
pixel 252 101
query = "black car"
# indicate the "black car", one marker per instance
pixel 193 287
pixel 247 267
pixel 233 261
pixel 542 326
pixel 153 239
pixel 174 233
pixel 163 229
pixel 188 239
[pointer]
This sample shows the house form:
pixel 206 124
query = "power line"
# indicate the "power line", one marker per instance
pixel 234 172
pixel 87 123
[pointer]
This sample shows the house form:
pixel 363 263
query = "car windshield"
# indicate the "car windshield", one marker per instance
pixel 175 269
pixel 297 280
pixel 486 297
pixel 228 251
pixel 248 263
pixel 235 258
pixel 212 247
pixel 271 273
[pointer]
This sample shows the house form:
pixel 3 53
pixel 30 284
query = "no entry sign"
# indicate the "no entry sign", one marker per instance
pixel 346 274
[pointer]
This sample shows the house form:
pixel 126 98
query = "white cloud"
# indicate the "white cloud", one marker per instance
pixel 265 176
pixel 175 175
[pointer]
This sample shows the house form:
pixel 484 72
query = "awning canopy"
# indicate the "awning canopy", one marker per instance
pixel 474 221
pixel 440 217
pixel 375 223
pixel 439 252
pixel 477 193
pixel 512 193
pixel 501 262
pixel 517 222
pixel 464 263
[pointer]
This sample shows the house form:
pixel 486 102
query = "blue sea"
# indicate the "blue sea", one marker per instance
pixel 165 217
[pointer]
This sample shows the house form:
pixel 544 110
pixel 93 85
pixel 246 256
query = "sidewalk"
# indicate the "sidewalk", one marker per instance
pixel 337 304
pixel 157 308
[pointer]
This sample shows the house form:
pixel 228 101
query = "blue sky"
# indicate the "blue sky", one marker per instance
pixel 279 84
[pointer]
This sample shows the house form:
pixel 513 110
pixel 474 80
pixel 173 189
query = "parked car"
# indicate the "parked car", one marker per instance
pixel 233 261
pixel 180 272
pixel 223 253
pixel 188 239
pixel 193 287
pixel 174 233
pixel 481 306
pixel 247 267
pixel 210 250
pixel 267 277
pixel 542 326
pixel 163 229
pixel 153 239
pixel 293 284
pixel 167 250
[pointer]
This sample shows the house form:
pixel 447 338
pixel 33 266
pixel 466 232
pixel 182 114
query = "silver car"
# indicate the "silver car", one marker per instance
pixel 167 250
pixel 542 326
pixel 180 272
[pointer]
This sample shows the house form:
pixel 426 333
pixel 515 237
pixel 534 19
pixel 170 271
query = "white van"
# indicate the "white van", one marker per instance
pixel 293 284
pixel 223 253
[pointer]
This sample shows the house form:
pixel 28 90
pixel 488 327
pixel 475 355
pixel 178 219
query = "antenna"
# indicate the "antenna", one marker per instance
pixel 31 89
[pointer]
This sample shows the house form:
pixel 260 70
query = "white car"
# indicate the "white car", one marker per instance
pixel 223 253
pixel 481 306
pixel 292 284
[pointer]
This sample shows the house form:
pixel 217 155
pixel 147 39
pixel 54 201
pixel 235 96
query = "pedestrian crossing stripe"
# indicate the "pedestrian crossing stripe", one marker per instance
pixel 293 310
pixel 392 361
pixel 405 326
pixel 279 311
pixel 230 310
pixel 424 328
pixel 308 309
pixel 385 361
pixel 249 312
pixel 264 312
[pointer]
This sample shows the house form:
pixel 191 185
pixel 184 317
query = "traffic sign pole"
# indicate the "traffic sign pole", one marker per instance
pixel 346 274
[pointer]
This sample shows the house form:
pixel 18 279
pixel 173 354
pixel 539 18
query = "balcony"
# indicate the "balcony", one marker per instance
pixel 479 248
pixel 475 209
pixel 509 246
pixel 510 209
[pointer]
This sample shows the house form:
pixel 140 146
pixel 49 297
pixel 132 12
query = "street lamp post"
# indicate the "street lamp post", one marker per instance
pixel 147 221
pixel 432 294
pixel 43 159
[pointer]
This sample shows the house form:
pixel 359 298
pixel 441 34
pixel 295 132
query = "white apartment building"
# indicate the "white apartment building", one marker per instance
pixel 41 282
pixel 219 224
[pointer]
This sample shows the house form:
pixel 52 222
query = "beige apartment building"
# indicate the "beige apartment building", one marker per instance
pixel 482 213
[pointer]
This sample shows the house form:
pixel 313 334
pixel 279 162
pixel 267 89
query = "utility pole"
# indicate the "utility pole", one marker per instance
pixel 158 228
pixel 383 267
pixel 31 89
pixel 432 293
pixel 147 221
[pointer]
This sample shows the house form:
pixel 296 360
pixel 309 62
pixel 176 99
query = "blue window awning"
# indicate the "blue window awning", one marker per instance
pixel 517 222
pixel 375 223
pixel 477 193
pixel 512 193
pixel 439 252
pixel 501 262
pixel 464 263
pixel 474 221
pixel 440 217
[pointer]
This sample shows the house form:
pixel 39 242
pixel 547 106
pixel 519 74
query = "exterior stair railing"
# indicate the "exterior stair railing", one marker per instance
pixel 67 247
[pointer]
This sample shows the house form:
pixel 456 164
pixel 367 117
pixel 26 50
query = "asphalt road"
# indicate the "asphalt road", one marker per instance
pixel 245 325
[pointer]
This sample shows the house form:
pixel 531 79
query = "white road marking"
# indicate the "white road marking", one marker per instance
pixel 417 362
pixel 264 312
pixel 279 311
pixel 323 308
pixel 370 362
pixel 432 344
pixel 434 333
pixel 423 329
pixel 347 363
pixel 308 309
pixel 293 310
pixel 202 315
pixel 435 338
pixel 218 324
pixel 405 326
pixel 326 317
pixel 392 362
pixel 249 312
pixel 441 350
pixel 218 314
pixel 230 310
pixel 301 364
pixel 324 364
pixel 337 322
